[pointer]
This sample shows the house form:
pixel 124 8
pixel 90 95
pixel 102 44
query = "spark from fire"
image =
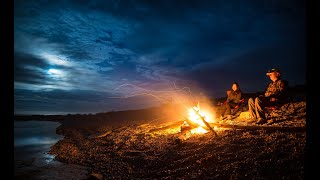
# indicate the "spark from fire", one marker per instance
pixel 181 96
pixel 177 95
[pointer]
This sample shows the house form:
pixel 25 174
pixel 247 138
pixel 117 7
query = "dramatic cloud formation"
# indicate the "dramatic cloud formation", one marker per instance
pixel 71 56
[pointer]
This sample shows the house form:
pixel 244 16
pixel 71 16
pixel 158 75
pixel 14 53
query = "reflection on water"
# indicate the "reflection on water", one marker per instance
pixel 32 142
pixel 35 133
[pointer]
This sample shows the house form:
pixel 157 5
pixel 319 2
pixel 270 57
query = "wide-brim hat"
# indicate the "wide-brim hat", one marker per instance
pixel 272 71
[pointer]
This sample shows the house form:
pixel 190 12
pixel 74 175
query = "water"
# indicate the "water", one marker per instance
pixel 32 142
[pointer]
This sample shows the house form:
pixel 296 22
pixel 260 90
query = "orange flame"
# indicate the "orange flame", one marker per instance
pixel 193 116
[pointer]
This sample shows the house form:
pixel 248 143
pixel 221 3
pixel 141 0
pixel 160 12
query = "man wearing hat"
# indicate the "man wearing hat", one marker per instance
pixel 273 96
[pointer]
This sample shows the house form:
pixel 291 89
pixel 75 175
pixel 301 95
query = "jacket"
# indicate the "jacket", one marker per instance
pixel 277 89
pixel 234 96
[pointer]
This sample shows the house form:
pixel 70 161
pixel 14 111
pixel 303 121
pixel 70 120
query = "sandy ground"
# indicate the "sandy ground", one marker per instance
pixel 126 145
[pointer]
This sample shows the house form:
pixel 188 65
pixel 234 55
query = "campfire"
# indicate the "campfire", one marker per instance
pixel 196 122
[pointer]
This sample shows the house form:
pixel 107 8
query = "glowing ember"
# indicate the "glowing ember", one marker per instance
pixel 194 117
pixel 198 130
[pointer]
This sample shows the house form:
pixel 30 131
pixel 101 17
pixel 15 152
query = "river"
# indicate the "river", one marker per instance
pixel 32 141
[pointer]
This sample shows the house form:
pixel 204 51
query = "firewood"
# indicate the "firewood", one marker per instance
pixel 206 123
pixel 257 127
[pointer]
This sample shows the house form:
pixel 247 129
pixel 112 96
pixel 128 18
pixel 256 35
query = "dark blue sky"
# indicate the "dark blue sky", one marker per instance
pixel 76 56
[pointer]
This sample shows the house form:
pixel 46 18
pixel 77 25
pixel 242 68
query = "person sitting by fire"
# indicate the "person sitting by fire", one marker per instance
pixel 233 97
pixel 274 95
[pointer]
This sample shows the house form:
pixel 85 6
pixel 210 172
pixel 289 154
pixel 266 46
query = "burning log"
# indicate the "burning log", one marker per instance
pixel 191 123
pixel 177 124
pixel 206 123
pixel 185 130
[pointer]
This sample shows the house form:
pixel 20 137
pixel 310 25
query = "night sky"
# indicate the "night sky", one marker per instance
pixel 82 56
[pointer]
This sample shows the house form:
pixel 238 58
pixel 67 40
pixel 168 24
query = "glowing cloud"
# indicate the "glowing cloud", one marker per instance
pixel 55 73
pixel 55 60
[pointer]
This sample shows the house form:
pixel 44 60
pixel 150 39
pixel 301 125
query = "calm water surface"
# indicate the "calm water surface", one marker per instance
pixel 32 142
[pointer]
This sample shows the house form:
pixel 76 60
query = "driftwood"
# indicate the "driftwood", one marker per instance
pixel 192 124
pixel 218 125
pixel 257 127
pixel 173 125
pixel 230 126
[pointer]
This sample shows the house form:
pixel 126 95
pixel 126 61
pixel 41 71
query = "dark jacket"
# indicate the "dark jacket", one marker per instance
pixel 234 96
pixel 277 89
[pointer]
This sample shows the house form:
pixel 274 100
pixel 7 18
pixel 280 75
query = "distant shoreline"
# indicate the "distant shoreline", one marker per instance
pixel 298 90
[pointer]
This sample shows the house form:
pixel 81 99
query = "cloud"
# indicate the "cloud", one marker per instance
pixel 97 46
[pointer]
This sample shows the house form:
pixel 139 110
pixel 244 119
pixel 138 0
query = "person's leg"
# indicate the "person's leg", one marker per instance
pixel 223 110
pixel 228 108
pixel 252 108
pixel 260 111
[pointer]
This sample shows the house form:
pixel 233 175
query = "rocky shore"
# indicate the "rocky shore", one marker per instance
pixel 130 149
